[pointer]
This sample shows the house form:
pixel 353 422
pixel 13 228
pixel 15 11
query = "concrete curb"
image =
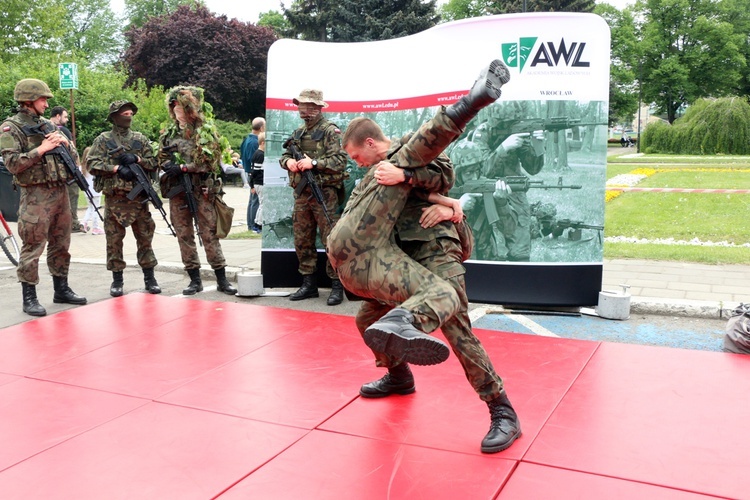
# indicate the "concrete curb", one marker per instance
pixel 682 307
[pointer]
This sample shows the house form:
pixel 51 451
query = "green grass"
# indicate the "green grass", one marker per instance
pixel 679 253
pixel 681 216
pixel 243 235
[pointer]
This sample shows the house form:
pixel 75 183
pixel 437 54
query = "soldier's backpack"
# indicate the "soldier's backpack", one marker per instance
pixel 737 333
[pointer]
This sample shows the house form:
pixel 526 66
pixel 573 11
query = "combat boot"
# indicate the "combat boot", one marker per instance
pixel 485 91
pixel 63 293
pixel 398 380
pixel 150 281
pixel 115 289
pixel 195 285
pixel 31 305
pixel 395 335
pixel 222 283
pixel 504 425
pixel 308 290
pixel 337 293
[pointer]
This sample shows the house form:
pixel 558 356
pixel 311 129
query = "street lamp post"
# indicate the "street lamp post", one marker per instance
pixel 640 98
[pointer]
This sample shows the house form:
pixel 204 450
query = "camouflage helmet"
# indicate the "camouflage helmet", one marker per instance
pixel 31 89
pixel 467 153
pixel 545 211
pixel 117 106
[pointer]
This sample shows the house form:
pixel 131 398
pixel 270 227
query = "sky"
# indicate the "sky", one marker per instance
pixel 249 10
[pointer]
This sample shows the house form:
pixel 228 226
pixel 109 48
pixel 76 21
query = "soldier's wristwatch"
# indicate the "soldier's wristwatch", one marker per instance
pixel 408 176
pixel 314 163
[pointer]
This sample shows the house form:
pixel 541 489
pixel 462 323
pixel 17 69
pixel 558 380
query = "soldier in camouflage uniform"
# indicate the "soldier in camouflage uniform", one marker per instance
pixel 318 139
pixel 110 160
pixel 190 147
pixel 514 156
pixel 44 211
pixel 367 255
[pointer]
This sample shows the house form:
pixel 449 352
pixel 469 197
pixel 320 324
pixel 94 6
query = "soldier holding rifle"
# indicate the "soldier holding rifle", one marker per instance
pixel 322 158
pixel 30 154
pixel 113 160
pixel 189 154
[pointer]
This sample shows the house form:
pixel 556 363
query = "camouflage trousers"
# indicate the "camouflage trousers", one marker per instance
pixel 119 213
pixel 437 255
pixel 362 247
pixel 73 192
pixel 182 221
pixel 307 219
pixel 44 219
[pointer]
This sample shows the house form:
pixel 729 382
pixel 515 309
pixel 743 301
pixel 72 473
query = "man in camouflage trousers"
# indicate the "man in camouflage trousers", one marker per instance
pixel 381 271
pixel 44 211
pixel 189 147
pixel 111 159
pixel 319 141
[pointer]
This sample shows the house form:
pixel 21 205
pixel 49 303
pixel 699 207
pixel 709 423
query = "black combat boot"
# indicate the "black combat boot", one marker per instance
pixel 337 293
pixel 150 281
pixel 395 334
pixel 63 293
pixel 308 290
pixel 31 305
pixel 195 285
pixel 504 425
pixel 115 289
pixel 485 91
pixel 398 380
pixel 222 283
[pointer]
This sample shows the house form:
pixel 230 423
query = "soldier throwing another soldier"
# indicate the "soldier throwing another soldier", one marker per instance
pixel 111 159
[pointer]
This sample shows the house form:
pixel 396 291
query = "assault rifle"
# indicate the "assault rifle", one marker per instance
pixel 517 183
pixel 143 185
pixel 45 128
pixel 561 225
pixel 307 178
pixel 185 186
pixel 554 124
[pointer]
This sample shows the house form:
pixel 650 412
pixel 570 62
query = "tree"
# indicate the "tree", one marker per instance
pixel 359 21
pixel 512 6
pixel 193 46
pixel 276 21
pixel 623 91
pixel 465 9
pixel 140 11
pixel 92 31
pixel 26 25
pixel 688 52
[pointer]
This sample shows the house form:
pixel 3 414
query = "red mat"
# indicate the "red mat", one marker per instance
pixel 155 397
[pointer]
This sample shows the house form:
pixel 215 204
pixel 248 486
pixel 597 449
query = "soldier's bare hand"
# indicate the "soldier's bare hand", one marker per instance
pixel 468 201
pixel 514 141
pixel 388 174
pixel 50 142
pixel 435 214
pixel 305 164
pixel 291 165
pixel 502 189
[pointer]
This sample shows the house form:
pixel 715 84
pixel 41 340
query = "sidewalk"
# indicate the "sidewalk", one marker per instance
pixel 670 288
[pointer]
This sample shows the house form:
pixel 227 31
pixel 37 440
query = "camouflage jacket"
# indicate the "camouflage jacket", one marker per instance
pixel 20 153
pixel 322 142
pixel 105 150
pixel 184 146
pixel 437 177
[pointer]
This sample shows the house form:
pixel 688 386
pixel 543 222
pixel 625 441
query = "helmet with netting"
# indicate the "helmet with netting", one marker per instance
pixel 31 89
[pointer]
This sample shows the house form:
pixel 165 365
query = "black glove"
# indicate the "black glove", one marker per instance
pixel 127 159
pixel 125 173
pixel 171 169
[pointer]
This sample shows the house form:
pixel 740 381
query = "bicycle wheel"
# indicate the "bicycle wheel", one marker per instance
pixel 8 242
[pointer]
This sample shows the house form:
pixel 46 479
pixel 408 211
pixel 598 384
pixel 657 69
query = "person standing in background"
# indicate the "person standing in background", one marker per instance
pixel 59 116
pixel 247 150
pixel 256 180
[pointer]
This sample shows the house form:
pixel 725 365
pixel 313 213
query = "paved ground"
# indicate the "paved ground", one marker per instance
pixel 686 296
